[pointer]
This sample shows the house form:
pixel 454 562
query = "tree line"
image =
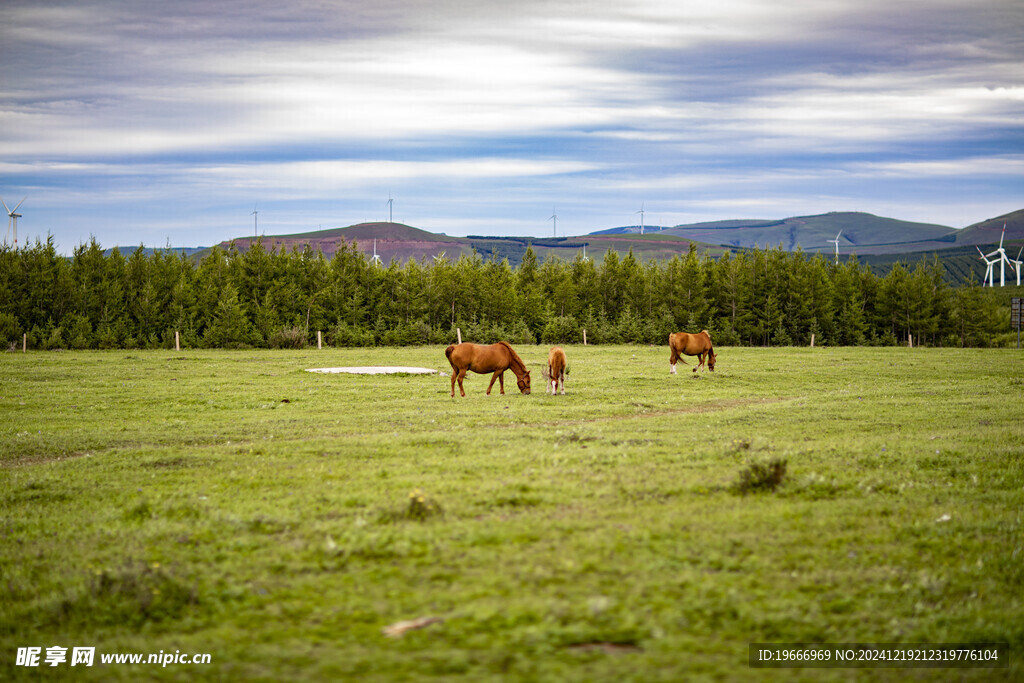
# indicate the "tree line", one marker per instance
pixel 276 298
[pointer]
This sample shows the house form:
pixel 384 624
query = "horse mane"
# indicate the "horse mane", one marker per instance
pixel 517 364
pixel 711 344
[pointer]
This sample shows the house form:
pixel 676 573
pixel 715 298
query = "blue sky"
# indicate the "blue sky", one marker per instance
pixel 161 122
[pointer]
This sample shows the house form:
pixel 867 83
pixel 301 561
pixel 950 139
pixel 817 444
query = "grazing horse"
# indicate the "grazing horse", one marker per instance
pixel 684 343
pixel 554 373
pixel 496 358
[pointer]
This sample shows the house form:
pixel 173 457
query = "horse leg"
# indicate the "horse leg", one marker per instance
pixel 672 362
pixel 500 376
pixel 462 373
pixel 700 362
pixel 455 374
pixel 561 382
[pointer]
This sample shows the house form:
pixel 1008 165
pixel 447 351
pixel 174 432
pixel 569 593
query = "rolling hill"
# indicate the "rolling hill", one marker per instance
pixel 989 231
pixel 958 263
pixel 962 261
pixel 861 232
pixel 403 242
pixel 877 241
pixel 149 251
pixel 393 241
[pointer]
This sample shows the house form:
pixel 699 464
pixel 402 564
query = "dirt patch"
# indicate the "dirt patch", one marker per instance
pixel 607 648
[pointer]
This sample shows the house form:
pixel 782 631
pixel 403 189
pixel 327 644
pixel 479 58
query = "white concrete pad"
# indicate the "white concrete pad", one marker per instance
pixel 376 370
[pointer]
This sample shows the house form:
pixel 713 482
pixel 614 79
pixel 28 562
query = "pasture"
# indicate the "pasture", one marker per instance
pixel 228 502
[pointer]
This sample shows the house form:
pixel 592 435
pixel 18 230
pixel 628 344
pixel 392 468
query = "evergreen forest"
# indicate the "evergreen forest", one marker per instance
pixel 281 299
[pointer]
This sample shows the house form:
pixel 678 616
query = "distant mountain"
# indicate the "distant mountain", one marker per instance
pixel 876 241
pixel 394 241
pixel 403 242
pixel 631 229
pixel 149 251
pixel 990 230
pixel 961 263
pixel 863 233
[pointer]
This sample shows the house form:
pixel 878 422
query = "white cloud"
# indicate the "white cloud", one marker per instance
pixel 704 106
pixel 1005 166
pixel 305 177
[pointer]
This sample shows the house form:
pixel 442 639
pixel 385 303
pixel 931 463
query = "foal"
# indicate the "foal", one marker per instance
pixel 554 373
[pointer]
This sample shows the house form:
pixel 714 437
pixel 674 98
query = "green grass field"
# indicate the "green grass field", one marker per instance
pixel 231 503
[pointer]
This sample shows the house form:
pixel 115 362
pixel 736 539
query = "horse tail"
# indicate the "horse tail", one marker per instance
pixel 448 352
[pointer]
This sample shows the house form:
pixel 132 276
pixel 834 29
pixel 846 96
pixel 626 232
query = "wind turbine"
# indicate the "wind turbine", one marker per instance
pixel 836 242
pixel 438 258
pixel 1002 259
pixel 641 212
pixel 988 269
pixel 554 219
pixel 376 257
pixel 255 221
pixel 1017 264
pixel 13 216
pixel 391 206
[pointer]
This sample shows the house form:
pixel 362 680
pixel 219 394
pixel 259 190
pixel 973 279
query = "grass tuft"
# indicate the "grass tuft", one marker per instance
pixel 133 595
pixel 420 508
pixel 760 476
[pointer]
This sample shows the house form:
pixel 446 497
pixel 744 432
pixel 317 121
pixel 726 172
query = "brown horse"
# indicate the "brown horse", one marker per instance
pixel 554 373
pixel 684 343
pixel 496 358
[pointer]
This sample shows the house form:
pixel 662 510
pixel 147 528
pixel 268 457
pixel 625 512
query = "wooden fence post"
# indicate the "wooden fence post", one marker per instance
pixel 584 336
pixel 910 341
pixel 177 341
pixel 458 330
pixel 812 340
pixel 319 340
pixel 24 343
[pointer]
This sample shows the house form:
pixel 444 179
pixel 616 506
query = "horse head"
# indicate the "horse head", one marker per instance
pixel 524 382
pixel 711 361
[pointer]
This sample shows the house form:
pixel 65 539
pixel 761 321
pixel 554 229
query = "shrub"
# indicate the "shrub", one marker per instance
pixel 761 475
pixel 288 338
pixel 419 509
pixel 346 335
pixel 562 330
pixel 10 330
pixel 520 333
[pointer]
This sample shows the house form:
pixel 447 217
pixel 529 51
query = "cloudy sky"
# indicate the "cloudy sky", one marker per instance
pixel 171 122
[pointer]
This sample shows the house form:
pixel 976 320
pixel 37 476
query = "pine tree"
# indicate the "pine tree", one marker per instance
pixel 850 326
pixel 230 328
pixel 611 284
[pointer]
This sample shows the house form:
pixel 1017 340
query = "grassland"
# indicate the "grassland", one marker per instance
pixel 231 503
